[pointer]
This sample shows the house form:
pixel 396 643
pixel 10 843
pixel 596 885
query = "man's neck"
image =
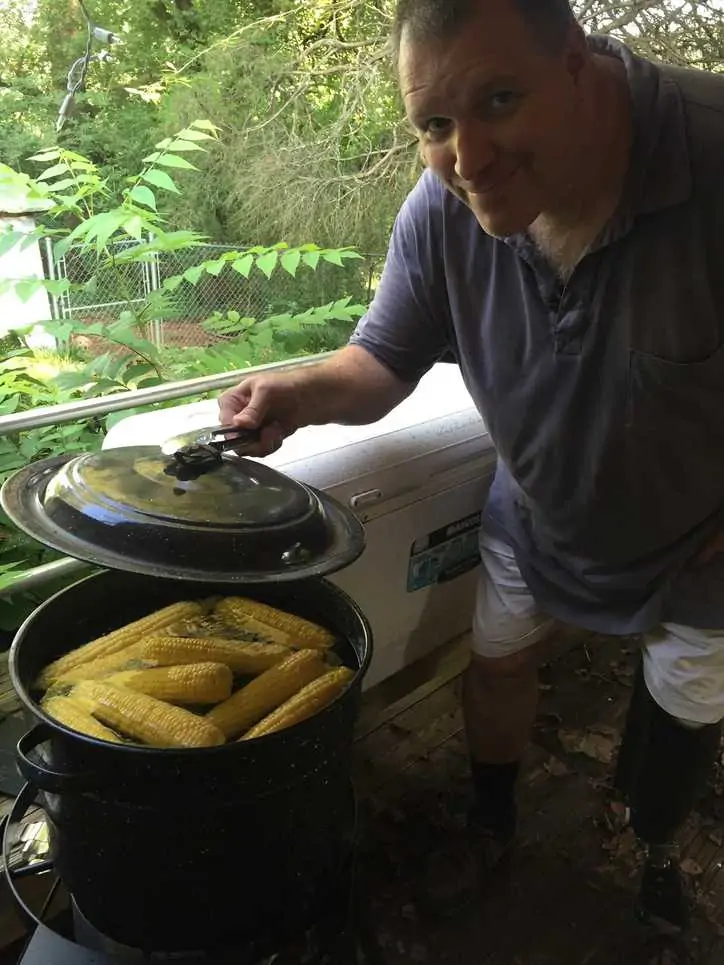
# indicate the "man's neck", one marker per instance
pixel 566 234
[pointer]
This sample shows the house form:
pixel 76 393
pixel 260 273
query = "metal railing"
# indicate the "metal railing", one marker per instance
pixel 57 414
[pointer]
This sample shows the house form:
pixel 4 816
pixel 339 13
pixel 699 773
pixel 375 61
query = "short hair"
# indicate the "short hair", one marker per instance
pixel 423 20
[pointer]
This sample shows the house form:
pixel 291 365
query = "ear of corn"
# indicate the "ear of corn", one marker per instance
pixel 307 702
pixel 125 659
pixel 266 692
pixel 193 683
pixel 145 718
pixel 272 624
pixel 242 658
pixel 71 713
pixel 119 639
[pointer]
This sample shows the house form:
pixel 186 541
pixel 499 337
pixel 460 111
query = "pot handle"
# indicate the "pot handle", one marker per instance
pixel 44 778
pixel 24 801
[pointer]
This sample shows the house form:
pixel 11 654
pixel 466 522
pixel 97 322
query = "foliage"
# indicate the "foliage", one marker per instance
pixel 79 217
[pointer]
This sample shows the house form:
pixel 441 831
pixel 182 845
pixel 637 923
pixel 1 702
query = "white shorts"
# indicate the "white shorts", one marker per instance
pixel 683 667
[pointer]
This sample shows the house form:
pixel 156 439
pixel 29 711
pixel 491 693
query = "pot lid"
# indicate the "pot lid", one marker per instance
pixel 196 514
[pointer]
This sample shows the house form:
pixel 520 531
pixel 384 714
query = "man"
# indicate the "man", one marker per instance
pixel 563 244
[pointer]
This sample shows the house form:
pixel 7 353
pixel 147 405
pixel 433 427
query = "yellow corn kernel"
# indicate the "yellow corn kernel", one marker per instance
pixel 129 657
pixel 266 692
pixel 191 683
pixel 272 624
pixel 71 713
pixel 242 658
pixel 145 718
pixel 118 639
pixel 307 702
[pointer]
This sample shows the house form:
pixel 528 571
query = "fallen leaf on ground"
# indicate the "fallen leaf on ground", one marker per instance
pixel 555 767
pixel 598 743
pixel 691 867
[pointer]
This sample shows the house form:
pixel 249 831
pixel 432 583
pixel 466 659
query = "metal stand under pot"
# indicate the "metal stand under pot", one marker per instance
pixel 243 846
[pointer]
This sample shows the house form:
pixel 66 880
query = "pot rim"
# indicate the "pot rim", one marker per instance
pixel 188 752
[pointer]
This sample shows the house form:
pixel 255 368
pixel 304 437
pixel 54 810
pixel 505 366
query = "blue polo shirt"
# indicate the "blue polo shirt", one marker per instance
pixel 604 395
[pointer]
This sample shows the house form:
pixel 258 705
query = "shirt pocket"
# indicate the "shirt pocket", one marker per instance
pixel 681 401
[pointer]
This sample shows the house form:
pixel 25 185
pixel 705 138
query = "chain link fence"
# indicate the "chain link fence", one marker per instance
pixel 99 295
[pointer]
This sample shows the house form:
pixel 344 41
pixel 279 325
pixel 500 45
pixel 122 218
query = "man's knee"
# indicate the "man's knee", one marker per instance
pixel 491 670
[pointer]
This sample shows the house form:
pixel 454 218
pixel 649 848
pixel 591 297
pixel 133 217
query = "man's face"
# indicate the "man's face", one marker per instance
pixel 497 116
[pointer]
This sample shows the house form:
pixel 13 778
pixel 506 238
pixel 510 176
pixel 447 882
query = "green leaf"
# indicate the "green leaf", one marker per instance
pixel 26 288
pixel 52 172
pixel 51 155
pixel 170 161
pixel 172 283
pixel 178 144
pixel 333 257
pixel 160 179
pixel 290 261
pixel 137 371
pixel 143 195
pixel 189 134
pixel 243 265
pixel 266 263
pixel 311 258
pixel 193 274
pixel 133 226
pixel 61 185
pixel 8 240
pixel 71 380
pixel 203 125
pixel 10 405
pixel 215 267
pixel 105 225
pixel 263 339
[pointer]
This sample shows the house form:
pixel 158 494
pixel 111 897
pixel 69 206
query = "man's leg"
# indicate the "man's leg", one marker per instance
pixel 500 694
pixel 670 742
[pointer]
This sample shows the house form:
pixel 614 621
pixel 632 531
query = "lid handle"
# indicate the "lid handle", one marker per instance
pixel 202 451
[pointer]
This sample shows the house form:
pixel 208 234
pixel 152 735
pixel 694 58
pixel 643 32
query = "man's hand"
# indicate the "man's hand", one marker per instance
pixel 712 548
pixel 266 402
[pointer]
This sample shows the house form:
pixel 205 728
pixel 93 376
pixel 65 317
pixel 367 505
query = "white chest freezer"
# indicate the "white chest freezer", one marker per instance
pixel 417 479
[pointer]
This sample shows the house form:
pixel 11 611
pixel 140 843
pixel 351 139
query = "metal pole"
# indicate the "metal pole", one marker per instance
pixel 51 415
pixel 38 576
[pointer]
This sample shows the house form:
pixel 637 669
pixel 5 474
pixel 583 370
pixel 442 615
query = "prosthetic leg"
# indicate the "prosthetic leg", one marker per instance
pixel 662 768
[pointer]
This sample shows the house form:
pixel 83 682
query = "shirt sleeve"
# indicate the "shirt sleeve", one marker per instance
pixel 406 326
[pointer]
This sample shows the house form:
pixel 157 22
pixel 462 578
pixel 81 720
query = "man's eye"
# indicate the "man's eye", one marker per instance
pixel 503 100
pixel 435 126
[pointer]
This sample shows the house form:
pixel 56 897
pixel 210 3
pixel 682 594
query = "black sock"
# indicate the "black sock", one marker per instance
pixel 495 793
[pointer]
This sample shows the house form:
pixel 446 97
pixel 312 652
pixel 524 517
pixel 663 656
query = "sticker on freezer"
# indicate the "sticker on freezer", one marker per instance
pixel 444 554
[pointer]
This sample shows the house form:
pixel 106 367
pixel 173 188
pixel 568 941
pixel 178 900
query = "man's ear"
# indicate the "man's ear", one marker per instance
pixel 576 52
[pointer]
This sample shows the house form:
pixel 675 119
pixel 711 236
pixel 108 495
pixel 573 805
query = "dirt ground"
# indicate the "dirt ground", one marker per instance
pixel 567 896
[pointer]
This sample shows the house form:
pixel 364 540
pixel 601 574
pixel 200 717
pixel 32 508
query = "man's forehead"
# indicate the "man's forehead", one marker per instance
pixel 488 45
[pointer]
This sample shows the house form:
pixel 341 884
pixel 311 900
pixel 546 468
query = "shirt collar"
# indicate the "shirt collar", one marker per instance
pixel 659 174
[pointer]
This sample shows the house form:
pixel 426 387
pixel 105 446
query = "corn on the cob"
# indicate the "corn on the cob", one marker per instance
pixel 191 683
pixel 266 692
pixel 307 702
pixel 272 624
pixel 145 718
pixel 242 658
pixel 126 659
pixel 71 713
pixel 118 639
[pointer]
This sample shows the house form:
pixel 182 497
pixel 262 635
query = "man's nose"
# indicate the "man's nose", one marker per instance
pixel 474 150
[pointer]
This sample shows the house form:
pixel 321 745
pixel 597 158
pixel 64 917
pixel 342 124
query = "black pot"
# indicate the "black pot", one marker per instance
pixel 171 850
